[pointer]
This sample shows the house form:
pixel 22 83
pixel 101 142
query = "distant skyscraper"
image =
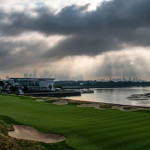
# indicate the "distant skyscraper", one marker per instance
pixel 34 74
pixel 30 75
pixel 7 77
pixel 26 75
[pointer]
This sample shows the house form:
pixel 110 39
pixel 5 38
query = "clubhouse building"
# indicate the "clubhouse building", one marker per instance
pixel 33 84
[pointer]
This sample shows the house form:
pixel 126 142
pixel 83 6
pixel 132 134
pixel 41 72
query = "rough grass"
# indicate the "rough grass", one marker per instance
pixel 8 143
pixel 84 128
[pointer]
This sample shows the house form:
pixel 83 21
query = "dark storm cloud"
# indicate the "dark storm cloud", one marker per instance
pixel 19 54
pixel 112 26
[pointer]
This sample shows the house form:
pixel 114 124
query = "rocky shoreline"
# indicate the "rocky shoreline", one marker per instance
pixel 145 96
pixel 97 105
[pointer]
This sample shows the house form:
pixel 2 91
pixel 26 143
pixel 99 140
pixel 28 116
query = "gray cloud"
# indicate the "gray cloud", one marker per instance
pixel 19 54
pixel 121 66
pixel 112 26
pixel 109 27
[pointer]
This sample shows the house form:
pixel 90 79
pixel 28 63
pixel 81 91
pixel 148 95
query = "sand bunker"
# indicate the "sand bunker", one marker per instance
pixel 40 100
pixel 109 106
pixel 126 108
pixel 89 105
pixel 61 102
pixel 30 133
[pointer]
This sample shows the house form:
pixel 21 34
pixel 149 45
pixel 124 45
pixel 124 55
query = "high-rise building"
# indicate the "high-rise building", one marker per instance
pixel 7 77
pixel 30 75
pixel 34 74
pixel 26 75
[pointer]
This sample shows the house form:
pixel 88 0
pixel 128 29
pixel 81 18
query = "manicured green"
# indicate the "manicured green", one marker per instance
pixel 84 128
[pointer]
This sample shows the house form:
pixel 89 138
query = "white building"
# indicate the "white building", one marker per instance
pixel 33 83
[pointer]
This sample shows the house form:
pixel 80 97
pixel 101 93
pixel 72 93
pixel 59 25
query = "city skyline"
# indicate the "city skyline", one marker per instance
pixel 65 76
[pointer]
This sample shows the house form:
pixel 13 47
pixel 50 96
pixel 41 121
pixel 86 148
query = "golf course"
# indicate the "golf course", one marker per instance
pixel 83 128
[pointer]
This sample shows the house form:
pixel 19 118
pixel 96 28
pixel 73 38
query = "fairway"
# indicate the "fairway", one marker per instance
pixel 84 128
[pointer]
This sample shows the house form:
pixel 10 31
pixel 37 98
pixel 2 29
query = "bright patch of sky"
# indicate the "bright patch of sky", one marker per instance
pixel 55 4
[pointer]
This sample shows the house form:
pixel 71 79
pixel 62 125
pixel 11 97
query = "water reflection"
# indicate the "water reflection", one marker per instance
pixel 116 95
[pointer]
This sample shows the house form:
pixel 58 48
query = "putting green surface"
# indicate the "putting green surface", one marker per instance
pixel 84 128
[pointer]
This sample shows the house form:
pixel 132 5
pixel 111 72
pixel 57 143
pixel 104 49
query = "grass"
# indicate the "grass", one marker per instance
pixel 8 143
pixel 84 128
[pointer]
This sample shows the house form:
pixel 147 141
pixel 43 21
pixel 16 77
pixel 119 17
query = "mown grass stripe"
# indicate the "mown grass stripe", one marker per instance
pixel 84 128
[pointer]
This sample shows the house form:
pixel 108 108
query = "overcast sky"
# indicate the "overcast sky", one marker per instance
pixel 96 39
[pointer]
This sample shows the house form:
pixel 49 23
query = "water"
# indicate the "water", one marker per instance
pixel 116 96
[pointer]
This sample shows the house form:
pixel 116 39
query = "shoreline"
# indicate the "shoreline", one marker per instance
pixel 79 102
pixel 56 99
pixel 113 104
